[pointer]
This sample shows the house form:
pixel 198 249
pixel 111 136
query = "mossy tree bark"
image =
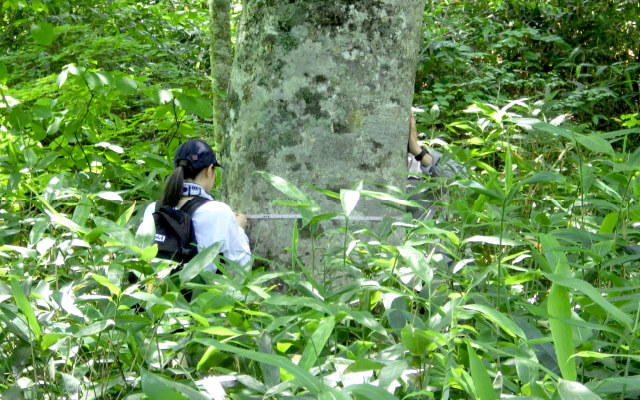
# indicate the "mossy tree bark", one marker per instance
pixel 320 93
pixel 220 54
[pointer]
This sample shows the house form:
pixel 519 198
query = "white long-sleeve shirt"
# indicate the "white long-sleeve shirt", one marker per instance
pixel 214 222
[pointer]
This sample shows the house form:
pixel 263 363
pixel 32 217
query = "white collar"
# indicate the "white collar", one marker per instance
pixel 193 189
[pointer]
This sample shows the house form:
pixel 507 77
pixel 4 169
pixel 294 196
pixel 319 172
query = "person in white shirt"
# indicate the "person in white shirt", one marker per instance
pixel 195 175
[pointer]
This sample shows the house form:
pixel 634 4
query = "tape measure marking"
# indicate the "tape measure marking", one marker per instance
pixel 298 216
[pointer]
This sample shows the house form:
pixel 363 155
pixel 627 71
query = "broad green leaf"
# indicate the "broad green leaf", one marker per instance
pixel 220 331
pixel 481 189
pixel 198 263
pixel 480 376
pixel 556 130
pixel 104 281
pixel 365 319
pixel 559 309
pixel 369 392
pixel 62 78
pixel 42 33
pixel 302 302
pixel 364 364
pixel 71 386
pixel 316 343
pixel 544 177
pixel 3 73
pixel 349 200
pixel 155 389
pixel 415 340
pixel 417 261
pixel 593 294
pixel 95 328
pixel 492 240
pixel 126 85
pixel 505 322
pixel 270 373
pixel 392 372
pixel 302 377
pixel 148 253
pixel 54 126
pixel 595 143
pixel 111 196
pixel 94 234
pixel 390 198
pixel 104 77
pixel 594 354
pixel 609 223
pixel 285 187
pixel 23 304
pixel 50 339
pixel 575 391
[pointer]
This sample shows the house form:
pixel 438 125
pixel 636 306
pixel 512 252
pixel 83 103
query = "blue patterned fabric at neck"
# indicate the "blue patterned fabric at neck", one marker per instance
pixel 193 189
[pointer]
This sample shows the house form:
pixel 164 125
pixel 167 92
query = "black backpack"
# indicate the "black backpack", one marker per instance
pixel 175 235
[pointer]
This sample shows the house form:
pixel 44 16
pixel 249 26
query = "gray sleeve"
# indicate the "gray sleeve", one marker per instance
pixel 442 166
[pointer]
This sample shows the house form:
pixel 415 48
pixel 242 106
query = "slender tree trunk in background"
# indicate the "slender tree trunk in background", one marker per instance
pixel 220 53
pixel 320 93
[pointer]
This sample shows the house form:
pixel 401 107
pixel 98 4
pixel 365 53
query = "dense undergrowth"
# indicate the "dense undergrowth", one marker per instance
pixel 525 286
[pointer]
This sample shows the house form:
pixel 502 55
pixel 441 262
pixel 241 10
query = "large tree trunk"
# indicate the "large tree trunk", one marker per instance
pixel 220 55
pixel 320 93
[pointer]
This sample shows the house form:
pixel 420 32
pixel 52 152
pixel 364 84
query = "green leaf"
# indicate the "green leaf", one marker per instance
pixel 349 200
pixel 575 391
pixel 50 339
pixel 505 322
pixel 110 196
pixel 148 253
pixel 71 386
pixel 155 389
pixel 302 377
pixel 95 328
pixel 285 187
pixel 556 130
pixel 559 309
pixel 316 344
pixel 609 223
pixel 126 85
pixel 3 73
pixel 94 234
pixel 198 263
pixel 392 372
pixel 104 281
pixel 364 364
pixel 594 294
pixel 417 261
pixel 481 189
pixel 480 376
pixel 544 177
pixel 415 340
pixel 62 77
pixel 25 307
pixel 42 33
pixel 595 143
pixel 369 392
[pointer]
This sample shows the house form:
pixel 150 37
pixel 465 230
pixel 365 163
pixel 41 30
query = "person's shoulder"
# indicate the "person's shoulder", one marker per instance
pixel 150 208
pixel 214 207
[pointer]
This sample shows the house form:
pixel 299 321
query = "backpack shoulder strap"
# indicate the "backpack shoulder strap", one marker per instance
pixel 192 205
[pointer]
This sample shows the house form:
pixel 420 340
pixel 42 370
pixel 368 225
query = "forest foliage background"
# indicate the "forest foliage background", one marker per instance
pixel 538 100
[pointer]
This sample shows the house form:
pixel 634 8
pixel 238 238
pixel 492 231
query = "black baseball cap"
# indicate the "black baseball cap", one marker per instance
pixel 198 153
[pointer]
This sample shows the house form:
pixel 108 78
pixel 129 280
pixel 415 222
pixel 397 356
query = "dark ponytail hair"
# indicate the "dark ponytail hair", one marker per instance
pixel 173 186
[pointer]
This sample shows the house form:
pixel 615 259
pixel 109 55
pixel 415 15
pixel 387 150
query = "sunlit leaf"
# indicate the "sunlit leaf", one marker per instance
pixel 42 33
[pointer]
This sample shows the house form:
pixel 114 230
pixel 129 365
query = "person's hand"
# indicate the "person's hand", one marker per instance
pixel 241 220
